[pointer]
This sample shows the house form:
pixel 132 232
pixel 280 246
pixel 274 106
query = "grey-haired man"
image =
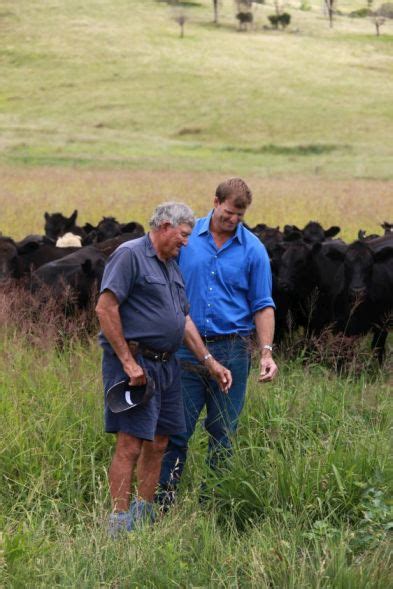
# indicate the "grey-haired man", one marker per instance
pixel 143 314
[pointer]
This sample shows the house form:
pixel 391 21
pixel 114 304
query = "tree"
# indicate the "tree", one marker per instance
pixel 215 9
pixel 330 7
pixel 181 20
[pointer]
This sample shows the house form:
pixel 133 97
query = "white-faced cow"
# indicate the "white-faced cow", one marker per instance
pixel 56 225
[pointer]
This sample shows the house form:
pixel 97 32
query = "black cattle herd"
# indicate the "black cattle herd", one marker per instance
pixel 319 281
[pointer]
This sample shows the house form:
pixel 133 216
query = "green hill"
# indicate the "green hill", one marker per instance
pixel 111 84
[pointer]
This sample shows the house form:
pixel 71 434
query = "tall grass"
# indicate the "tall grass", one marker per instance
pixel 305 501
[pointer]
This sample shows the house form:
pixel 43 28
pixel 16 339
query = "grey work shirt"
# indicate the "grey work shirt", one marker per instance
pixel 151 295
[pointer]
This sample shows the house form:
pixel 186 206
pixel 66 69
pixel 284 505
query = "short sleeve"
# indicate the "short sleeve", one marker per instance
pixel 120 273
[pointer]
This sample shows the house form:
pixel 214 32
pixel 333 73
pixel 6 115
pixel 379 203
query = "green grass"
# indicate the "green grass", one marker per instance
pixel 103 85
pixel 305 501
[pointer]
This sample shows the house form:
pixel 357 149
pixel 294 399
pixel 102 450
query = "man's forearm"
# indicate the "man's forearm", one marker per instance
pixel 109 318
pixel 264 324
pixel 193 340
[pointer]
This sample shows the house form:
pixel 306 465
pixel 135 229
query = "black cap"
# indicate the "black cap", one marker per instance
pixel 122 396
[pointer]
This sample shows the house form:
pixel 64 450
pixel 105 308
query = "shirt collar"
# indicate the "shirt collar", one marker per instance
pixel 149 247
pixel 205 227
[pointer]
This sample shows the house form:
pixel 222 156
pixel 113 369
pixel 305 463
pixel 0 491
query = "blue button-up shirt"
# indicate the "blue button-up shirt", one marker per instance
pixel 225 286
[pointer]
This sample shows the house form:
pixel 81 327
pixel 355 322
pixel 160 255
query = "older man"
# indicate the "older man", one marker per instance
pixel 143 314
pixel 228 283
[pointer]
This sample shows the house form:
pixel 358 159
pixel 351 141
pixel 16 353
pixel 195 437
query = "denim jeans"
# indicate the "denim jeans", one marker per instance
pixel 223 410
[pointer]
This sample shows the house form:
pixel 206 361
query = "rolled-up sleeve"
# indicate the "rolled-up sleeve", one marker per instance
pixel 260 281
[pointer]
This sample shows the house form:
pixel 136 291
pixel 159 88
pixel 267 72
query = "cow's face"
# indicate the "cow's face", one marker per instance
pixel 57 224
pixel 294 268
pixel 358 270
pixel 107 228
pixel 8 259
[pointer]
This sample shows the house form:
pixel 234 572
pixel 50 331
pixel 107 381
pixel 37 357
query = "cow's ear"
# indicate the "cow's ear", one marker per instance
pixel 383 254
pixel 290 228
pixel 332 231
pixel 336 254
pixel 73 217
pixel 46 215
pixel 88 227
pixel 28 247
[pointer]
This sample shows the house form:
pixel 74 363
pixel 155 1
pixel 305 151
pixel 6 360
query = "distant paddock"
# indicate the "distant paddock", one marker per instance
pixel 26 193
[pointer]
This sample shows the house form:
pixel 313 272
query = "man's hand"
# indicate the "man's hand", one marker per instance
pixel 221 374
pixel 135 372
pixel 268 368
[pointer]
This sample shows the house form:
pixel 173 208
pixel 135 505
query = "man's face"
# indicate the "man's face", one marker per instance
pixel 227 215
pixel 174 238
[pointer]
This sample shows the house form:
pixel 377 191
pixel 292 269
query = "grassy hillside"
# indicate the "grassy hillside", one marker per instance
pixel 111 84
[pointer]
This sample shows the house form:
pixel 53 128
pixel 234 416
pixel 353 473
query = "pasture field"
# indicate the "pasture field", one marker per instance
pixel 105 109
pixel 305 503
pixel 111 84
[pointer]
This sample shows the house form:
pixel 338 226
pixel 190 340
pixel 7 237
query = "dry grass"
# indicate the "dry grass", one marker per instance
pixel 25 194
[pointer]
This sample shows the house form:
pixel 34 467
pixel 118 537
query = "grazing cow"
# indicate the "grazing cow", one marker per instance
pixel 363 298
pixel 56 225
pixel 72 278
pixel 313 232
pixel 18 259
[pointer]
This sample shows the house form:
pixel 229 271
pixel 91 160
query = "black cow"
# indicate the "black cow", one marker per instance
pixel 72 278
pixel 18 259
pixel 362 235
pixel 387 227
pixel 109 228
pixel 363 298
pixel 305 279
pixel 56 225
pixel 313 232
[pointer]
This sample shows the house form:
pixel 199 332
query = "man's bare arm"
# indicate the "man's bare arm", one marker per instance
pixel 193 341
pixel 107 310
pixel 264 323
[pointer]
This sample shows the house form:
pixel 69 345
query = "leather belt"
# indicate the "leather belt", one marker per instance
pixel 137 348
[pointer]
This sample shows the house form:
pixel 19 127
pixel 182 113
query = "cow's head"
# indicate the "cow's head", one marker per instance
pixel 56 224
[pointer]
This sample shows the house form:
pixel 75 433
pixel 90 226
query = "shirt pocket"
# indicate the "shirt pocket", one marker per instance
pixel 150 279
pixel 154 289
pixel 234 276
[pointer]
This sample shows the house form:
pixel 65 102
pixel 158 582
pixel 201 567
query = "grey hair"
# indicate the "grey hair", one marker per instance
pixel 174 213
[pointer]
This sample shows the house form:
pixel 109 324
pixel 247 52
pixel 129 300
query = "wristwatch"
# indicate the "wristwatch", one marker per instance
pixel 267 347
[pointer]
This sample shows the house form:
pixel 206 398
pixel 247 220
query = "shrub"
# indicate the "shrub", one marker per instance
pixel 282 20
pixel 360 13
